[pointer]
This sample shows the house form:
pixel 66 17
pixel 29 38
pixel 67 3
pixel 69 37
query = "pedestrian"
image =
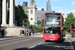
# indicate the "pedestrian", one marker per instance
pixel 27 33
pixel 36 32
pixel 20 32
pixel 23 32
pixel 2 33
pixel 72 31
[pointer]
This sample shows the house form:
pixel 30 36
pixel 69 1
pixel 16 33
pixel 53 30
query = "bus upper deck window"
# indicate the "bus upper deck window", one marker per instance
pixel 59 17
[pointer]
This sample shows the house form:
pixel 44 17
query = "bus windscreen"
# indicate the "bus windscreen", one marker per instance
pixel 52 19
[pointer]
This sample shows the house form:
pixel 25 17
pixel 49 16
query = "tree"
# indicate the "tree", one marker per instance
pixel 34 28
pixel 42 23
pixel 69 20
pixel 20 16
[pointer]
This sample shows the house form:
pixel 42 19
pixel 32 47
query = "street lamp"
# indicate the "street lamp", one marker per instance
pixel 0 24
pixel 23 23
pixel 25 26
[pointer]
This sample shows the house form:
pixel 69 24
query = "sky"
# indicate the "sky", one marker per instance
pixel 63 6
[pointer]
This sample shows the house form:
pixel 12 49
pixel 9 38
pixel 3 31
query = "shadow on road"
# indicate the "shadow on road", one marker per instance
pixel 56 41
pixel 9 36
pixel 21 49
pixel 51 46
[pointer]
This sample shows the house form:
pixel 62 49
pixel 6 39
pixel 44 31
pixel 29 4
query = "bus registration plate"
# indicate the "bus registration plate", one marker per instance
pixel 51 39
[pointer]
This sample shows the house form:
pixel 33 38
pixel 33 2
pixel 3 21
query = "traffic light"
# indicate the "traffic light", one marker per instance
pixel 25 24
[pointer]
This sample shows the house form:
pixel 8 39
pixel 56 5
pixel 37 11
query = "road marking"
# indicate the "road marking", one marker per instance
pixel 34 45
pixel 14 39
pixel 16 42
pixel 70 43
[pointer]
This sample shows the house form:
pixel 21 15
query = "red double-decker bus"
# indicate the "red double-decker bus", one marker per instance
pixel 52 27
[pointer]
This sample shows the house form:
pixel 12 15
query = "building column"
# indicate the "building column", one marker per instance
pixel 4 13
pixel 12 13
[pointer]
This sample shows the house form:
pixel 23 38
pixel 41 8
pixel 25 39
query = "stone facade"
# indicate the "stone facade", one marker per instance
pixel 0 11
pixel 32 13
pixel 9 31
pixel 11 13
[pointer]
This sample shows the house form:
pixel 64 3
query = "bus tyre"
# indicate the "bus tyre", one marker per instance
pixel 72 34
pixel 46 41
pixel 61 38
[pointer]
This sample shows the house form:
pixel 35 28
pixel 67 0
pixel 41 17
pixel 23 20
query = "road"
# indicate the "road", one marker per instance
pixel 35 43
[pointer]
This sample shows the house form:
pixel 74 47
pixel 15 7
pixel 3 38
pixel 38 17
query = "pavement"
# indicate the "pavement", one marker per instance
pixel 19 36
pixel 72 39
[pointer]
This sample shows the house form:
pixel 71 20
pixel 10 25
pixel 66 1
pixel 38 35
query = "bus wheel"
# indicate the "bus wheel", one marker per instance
pixel 62 39
pixel 46 41
pixel 72 34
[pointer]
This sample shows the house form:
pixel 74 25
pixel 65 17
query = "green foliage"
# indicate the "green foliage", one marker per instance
pixel 41 32
pixel 34 28
pixel 42 23
pixel 69 20
pixel 20 16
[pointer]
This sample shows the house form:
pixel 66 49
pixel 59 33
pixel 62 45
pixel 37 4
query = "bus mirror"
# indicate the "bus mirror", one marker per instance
pixel 42 29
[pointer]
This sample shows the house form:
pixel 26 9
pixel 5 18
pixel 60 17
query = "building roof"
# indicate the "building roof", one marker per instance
pixel 39 16
pixel 41 12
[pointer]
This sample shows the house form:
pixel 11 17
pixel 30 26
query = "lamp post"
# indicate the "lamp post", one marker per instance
pixel 0 24
pixel 25 26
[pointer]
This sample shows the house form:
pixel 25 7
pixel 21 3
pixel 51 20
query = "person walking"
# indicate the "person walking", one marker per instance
pixel 23 32
pixel 27 33
pixel 30 33
pixel 2 33
pixel 20 32
pixel 72 31
pixel 36 32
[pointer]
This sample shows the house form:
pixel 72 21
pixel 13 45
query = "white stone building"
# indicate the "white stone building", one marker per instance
pixel 65 18
pixel 11 13
pixel 9 29
pixel 32 13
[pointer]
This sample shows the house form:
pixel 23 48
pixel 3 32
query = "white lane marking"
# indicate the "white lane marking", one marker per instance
pixel 71 43
pixel 16 42
pixel 14 39
pixel 35 45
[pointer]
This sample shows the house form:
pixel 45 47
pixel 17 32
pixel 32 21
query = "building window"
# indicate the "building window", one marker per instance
pixel 31 18
pixel 31 11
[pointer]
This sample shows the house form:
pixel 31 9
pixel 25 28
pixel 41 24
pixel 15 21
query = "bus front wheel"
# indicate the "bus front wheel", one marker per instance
pixel 61 38
pixel 46 40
